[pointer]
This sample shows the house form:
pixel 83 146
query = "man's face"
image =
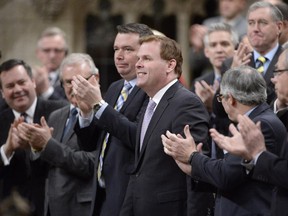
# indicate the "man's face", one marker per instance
pixel 262 31
pixel 67 76
pixel 151 68
pixel 18 89
pixel 281 80
pixel 126 47
pixel 229 9
pixel 51 51
pixel 219 48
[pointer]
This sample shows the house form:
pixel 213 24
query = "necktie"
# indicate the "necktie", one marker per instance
pixel 120 101
pixel 147 117
pixel 71 121
pixel 25 116
pixel 261 63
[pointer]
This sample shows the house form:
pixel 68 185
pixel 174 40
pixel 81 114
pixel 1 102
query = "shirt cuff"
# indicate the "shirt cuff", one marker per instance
pixel 4 158
pixel 99 113
pixel 85 122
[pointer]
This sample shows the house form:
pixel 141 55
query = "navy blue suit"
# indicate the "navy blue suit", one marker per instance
pixel 238 194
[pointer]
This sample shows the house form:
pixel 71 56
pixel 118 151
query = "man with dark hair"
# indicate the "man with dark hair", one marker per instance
pixel 114 158
pixel 16 171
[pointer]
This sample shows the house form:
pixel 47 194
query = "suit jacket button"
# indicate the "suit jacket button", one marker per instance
pixel 137 175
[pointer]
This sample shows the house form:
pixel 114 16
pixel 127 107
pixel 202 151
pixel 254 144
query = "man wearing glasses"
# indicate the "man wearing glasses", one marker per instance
pixel 243 91
pixel 52 48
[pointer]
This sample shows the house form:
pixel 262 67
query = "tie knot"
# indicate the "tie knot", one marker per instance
pixel 73 112
pixel 261 59
pixel 127 86
pixel 151 105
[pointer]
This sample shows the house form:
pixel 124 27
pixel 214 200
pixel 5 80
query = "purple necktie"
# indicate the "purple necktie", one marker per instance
pixel 147 117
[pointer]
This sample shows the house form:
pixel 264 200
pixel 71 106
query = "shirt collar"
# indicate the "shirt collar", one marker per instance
pixel 268 55
pixel 158 96
pixel 30 111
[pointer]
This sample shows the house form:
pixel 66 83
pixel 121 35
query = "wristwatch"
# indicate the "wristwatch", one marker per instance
pixel 98 105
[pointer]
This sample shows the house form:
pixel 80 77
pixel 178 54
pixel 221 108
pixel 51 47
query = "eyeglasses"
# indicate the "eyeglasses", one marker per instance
pixel 68 83
pixel 278 72
pixel 57 51
pixel 219 97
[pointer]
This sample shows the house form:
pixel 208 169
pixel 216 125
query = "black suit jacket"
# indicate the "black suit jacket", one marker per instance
pixel 27 177
pixel 273 169
pixel 119 156
pixel 157 185
pixel 237 193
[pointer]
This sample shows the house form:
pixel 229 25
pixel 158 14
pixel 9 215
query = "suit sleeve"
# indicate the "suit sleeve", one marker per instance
pixel 223 174
pixel 77 162
pixel 271 169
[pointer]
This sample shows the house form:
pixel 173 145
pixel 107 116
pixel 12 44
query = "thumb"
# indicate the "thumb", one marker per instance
pixel 43 122
pixel 187 132
pixel 199 147
pixel 258 124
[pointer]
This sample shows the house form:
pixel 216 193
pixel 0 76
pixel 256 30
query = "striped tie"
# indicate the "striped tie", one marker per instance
pixel 121 99
pixel 261 61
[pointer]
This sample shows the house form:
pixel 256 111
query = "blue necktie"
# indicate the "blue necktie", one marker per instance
pixel 71 121
pixel 119 104
pixel 25 116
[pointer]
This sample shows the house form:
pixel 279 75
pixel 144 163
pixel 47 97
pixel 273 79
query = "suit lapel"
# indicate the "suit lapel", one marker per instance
pixel 59 128
pixel 269 73
pixel 71 130
pixel 256 112
pixel 160 109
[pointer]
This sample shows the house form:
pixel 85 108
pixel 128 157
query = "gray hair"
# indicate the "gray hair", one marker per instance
pixel 245 84
pixel 51 32
pixel 76 59
pixel 275 12
pixel 215 27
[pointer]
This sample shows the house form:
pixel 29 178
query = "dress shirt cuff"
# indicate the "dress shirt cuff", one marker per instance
pixel 99 113
pixel 4 158
pixel 48 93
pixel 249 165
pixel 85 122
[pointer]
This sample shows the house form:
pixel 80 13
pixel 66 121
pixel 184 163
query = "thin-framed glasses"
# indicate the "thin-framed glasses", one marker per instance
pixel 278 72
pixel 219 97
pixel 68 83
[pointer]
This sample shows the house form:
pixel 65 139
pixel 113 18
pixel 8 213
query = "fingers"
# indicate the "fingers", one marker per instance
pixel 187 132
pixel 43 122
pixel 199 147
pixel 233 129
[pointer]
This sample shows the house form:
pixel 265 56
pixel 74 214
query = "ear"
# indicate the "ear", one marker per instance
pixel 206 52
pixel 171 65
pixel 280 27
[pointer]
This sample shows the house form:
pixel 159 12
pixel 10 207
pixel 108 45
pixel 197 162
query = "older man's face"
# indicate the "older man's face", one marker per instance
pixel 280 79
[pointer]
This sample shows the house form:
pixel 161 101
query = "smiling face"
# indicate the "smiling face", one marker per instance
pixel 18 89
pixel 263 31
pixel 219 48
pixel 126 46
pixel 153 73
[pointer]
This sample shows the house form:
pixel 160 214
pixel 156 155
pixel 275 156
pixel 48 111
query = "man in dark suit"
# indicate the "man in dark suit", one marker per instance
pixel 115 158
pixel 268 167
pixel 243 91
pixel 52 48
pixel 70 177
pixel 16 171
pixel 157 186
pixel 264 41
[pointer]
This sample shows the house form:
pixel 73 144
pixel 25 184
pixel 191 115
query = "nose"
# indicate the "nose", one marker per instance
pixel 274 79
pixel 138 64
pixel 119 54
